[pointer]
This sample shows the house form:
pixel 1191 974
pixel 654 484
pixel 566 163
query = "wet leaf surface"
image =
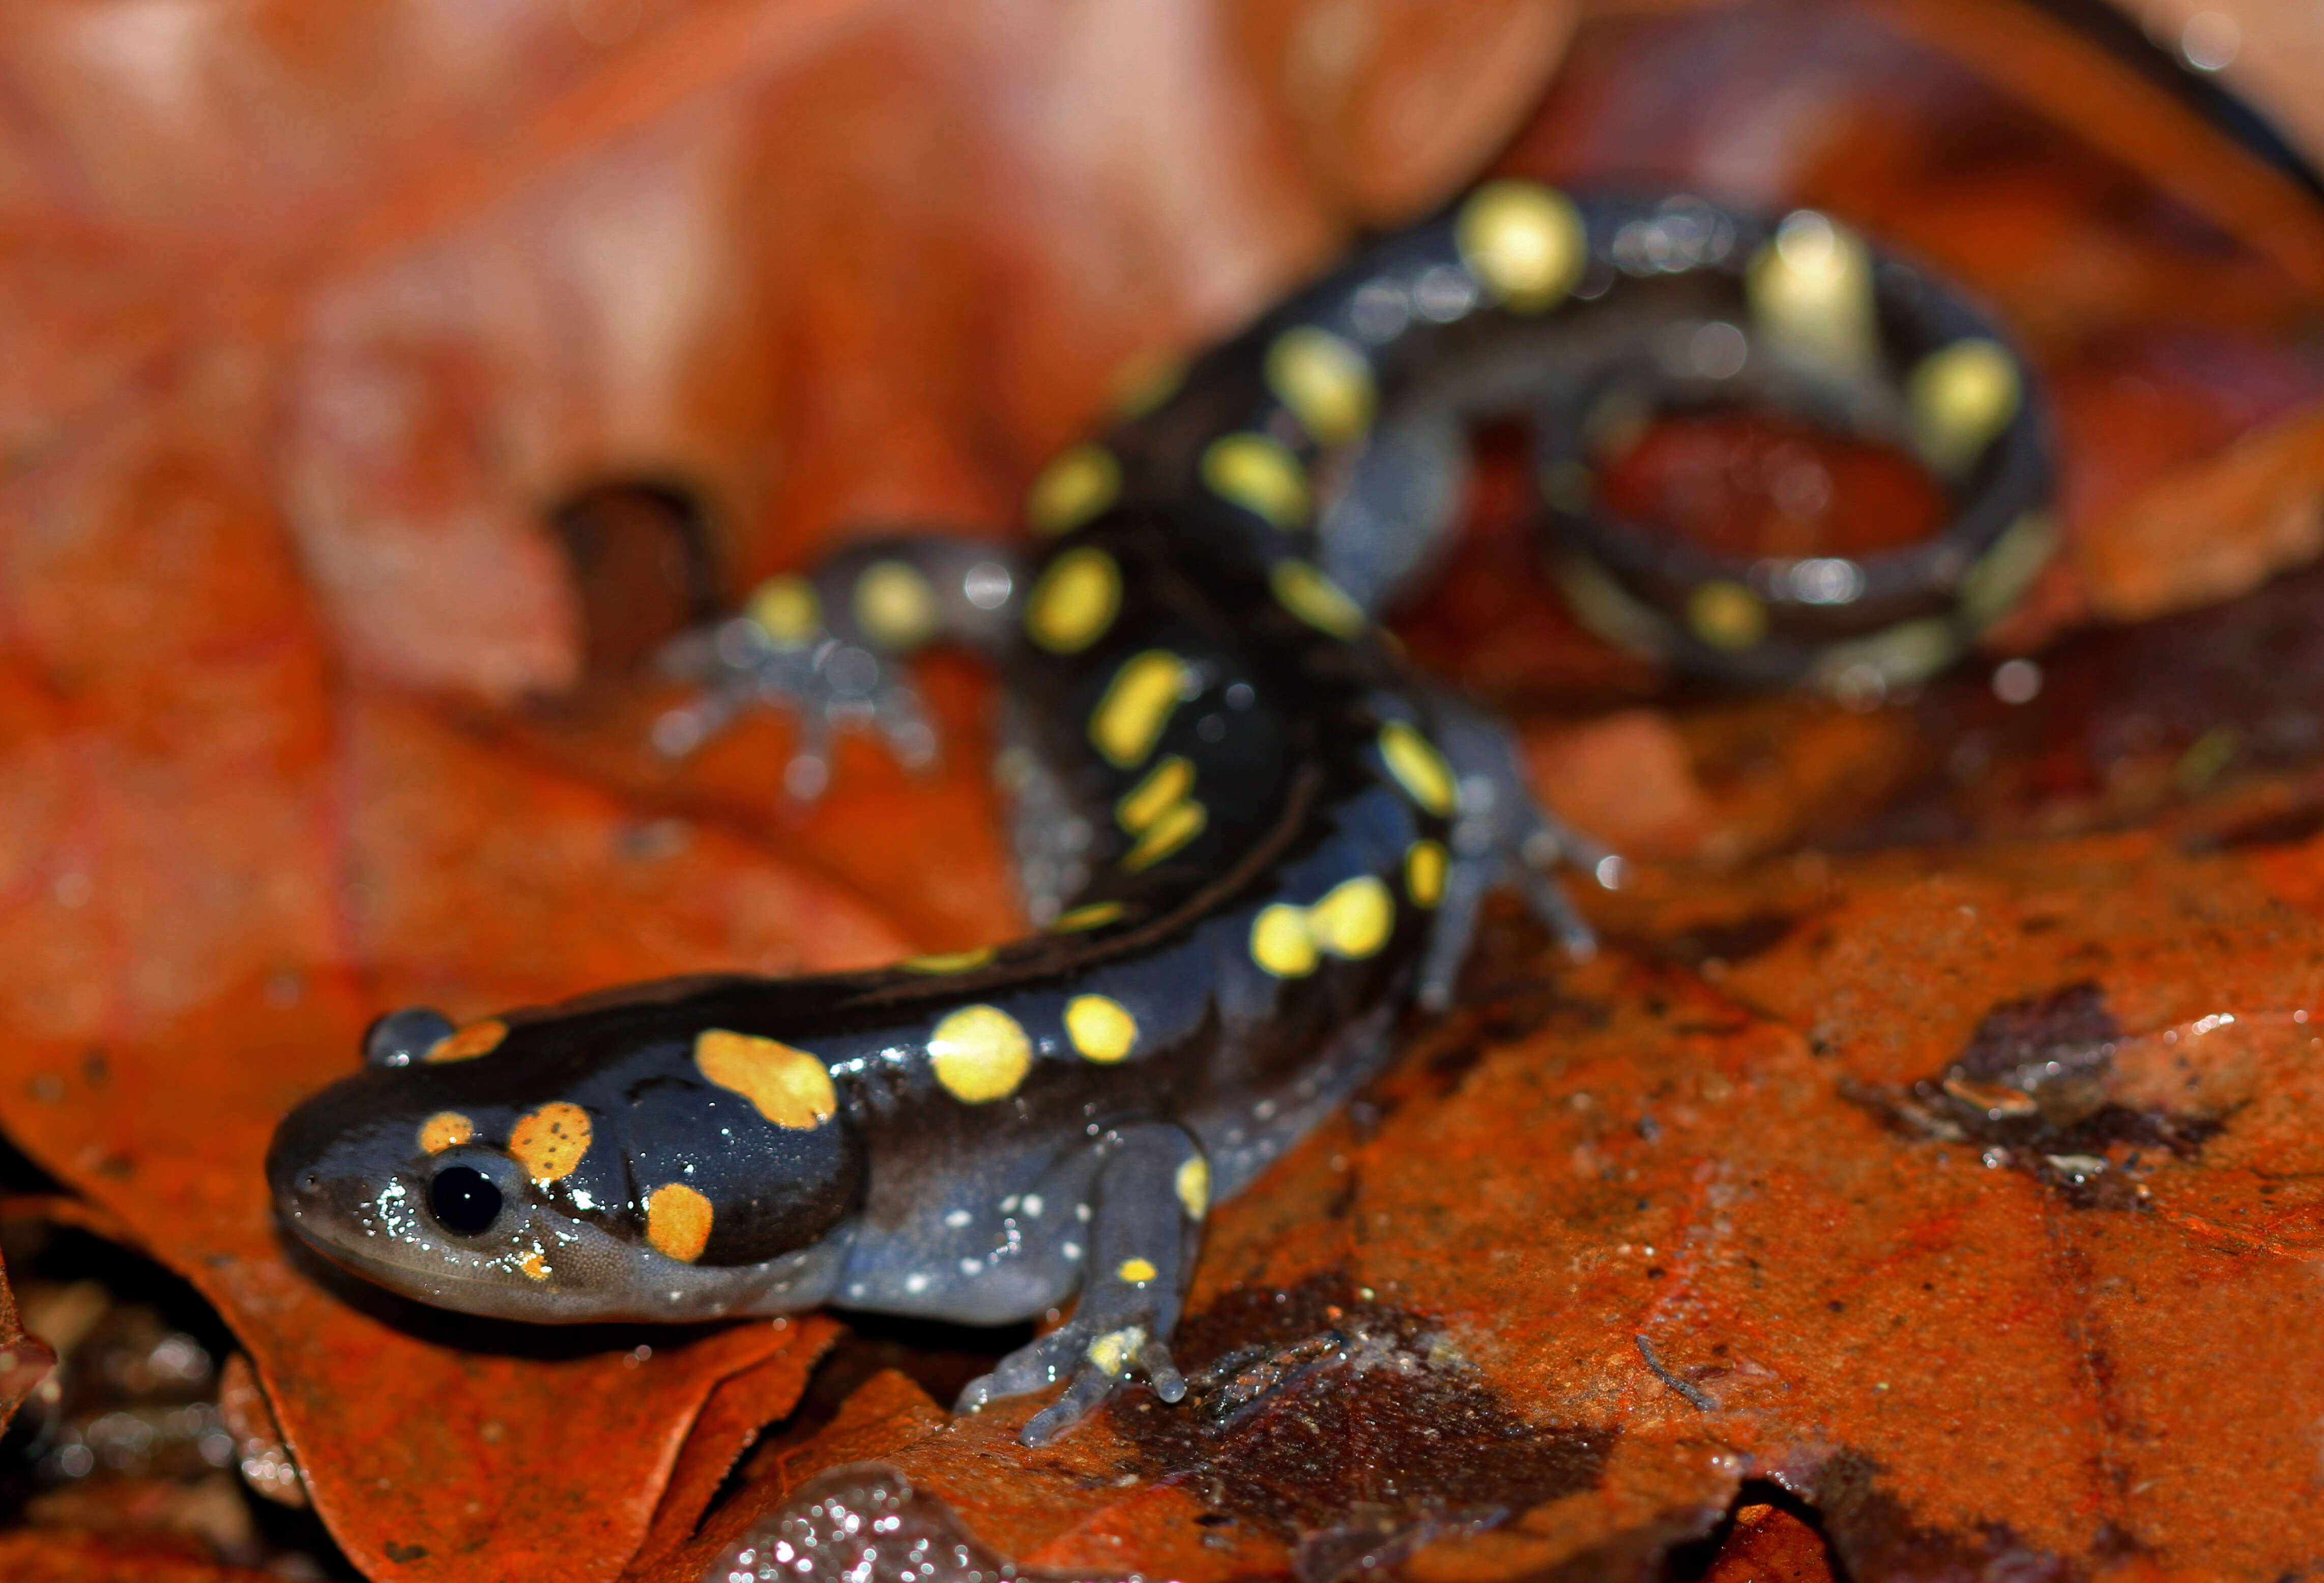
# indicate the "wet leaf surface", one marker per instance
pixel 1894 1153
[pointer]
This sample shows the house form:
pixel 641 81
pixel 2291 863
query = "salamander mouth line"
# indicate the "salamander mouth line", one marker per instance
pixel 367 1252
pixel 420 1280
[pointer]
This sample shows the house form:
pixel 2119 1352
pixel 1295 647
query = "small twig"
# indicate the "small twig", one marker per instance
pixel 1693 1394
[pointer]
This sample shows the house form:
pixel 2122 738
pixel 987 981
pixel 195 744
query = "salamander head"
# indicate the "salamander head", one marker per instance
pixel 595 1164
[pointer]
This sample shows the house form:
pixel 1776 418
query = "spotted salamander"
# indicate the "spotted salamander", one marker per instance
pixel 1252 837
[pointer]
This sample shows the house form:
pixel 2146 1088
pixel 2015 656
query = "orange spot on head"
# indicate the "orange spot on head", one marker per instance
pixel 535 1267
pixel 466 1043
pixel 790 1087
pixel 550 1142
pixel 445 1130
pixel 677 1221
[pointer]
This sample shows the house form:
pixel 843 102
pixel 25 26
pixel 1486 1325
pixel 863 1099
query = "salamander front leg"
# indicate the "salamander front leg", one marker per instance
pixel 1146 1221
pixel 1502 836
pixel 833 646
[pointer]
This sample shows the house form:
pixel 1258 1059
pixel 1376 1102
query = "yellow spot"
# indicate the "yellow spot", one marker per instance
pixel 550 1142
pixel 1423 872
pixel 1315 599
pixel 1280 942
pixel 790 1087
pixel 677 1221
pixel 980 1053
pixel 1727 615
pixel 1135 1270
pixel 1101 1027
pixel 1811 294
pixel 535 1267
pixel 2004 573
pixel 1607 609
pixel 1524 241
pixel 444 1130
pixel 1910 651
pixel 1112 1351
pixel 786 610
pixel 1093 915
pixel 1179 823
pixel 1078 484
pixel 1193 1184
pixel 478 1039
pixel 1354 918
pixel 895 605
pixel 1963 395
pixel 949 962
pixel 1129 719
pixel 1074 602
pixel 1325 382
pixel 1418 767
pixel 1257 473
pixel 1168 781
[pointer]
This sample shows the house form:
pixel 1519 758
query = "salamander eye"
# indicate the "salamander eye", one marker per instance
pixel 464 1201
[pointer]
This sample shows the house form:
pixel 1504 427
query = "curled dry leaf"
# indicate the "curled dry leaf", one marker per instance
pixel 272 475
pixel 260 1453
pixel 25 1360
pixel 300 370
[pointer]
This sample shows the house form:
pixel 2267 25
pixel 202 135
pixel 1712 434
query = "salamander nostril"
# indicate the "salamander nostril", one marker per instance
pixel 312 1183
pixel 464 1201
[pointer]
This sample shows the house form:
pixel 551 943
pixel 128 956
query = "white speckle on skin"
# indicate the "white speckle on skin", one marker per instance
pixel 915 1282
pixel 857 1290
pixel 1081 1213
pixel 1033 1205
pixel 956 1218
pixel 1009 1204
pixel 1264 1109
pixel 972 1267
pixel 1071 1250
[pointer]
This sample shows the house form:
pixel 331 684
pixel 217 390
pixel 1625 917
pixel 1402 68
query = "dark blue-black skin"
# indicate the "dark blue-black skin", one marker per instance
pixel 1254 839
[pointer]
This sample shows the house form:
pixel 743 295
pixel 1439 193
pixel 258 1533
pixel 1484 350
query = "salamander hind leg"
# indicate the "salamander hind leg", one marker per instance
pixel 832 644
pixel 1502 836
pixel 1147 1212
